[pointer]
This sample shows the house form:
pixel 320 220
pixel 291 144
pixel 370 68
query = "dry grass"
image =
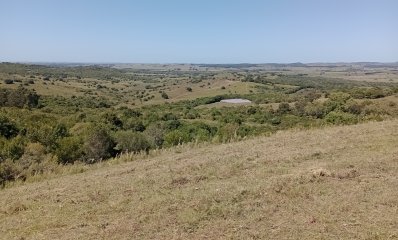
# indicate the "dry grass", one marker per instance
pixel 126 90
pixel 332 183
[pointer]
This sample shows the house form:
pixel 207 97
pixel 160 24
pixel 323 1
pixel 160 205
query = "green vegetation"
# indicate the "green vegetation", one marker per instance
pixel 337 182
pixel 87 116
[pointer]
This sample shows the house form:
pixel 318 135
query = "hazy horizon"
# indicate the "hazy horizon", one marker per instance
pixel 198 63
pixel 205 32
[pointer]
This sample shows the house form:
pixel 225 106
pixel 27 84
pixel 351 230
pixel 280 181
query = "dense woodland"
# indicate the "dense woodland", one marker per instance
pixel 41 131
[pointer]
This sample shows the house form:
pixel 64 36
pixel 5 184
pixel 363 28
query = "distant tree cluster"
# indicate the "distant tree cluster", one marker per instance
pixel 20 97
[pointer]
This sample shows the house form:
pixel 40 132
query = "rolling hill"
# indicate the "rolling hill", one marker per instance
pixel 331 183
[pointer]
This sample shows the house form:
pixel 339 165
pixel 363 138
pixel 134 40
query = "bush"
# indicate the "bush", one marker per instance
pixel 369 93
pixel 98 145
pixel 19 97
pixel 189 89
pixel 8 171
pixel 228 132
pixel 339 97
pixel 13 148
pixel 276 120
pixel 134 124
pixel 35 161
pixel 176 137
pixel 202 135
pixel 168 116
pixel 300 107
pixel 353 107
pixel 164 95
pixel 341 118
pixel 172 124
pixel 233 118
pixel 8 129
pixel 8 81
pixel 47 134
pixel 283 108
pixel 315 110
pixel 129 141
pixel 155 133
pixel 69 150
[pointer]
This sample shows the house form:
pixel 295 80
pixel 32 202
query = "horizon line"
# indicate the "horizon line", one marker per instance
pixel 193 63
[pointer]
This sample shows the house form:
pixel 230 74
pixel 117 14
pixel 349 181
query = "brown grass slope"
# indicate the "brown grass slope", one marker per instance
pixel 332 183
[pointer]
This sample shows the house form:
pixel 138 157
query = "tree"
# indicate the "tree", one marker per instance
pixel 189 89
pixel 99 145
pixel 155 134
pixel 19 97
pixel 69 149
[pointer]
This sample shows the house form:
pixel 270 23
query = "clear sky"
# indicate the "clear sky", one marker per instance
pixel 199 31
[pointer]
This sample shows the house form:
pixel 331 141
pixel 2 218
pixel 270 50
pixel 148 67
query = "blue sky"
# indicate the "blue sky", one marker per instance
pixel 206 31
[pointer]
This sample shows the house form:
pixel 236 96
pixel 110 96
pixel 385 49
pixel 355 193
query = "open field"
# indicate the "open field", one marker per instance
pixel 138 151
pixel 330 183
pixel 52 115
pixel 199 120
pixel 142 84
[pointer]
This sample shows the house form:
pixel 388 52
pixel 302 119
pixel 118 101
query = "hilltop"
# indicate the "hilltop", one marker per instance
pixel 332 183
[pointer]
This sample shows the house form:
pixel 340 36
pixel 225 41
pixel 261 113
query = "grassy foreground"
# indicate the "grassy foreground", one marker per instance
pixel 331 183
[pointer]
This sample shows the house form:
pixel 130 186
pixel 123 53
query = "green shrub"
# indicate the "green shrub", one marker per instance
pixel 155 134
pixel 12 148
pixel 129 141
pixel 176 137
pixel 202 135
pixel 233 118
pixel 339 96
pixel 98 145
pixel 244 131
pixel 19 97
pixel 299 107
pixel 172 124
pixel 353 107
pixel 47 134
pixel 35 161
pixel 8 129
pixel 315 110
pixel 283 108
pixel 69 149
pixel 228 132
pixel 133 124
pixel 341 118
pixel 370 93
pixel 168 116
pixel 276 120
pixel 112 119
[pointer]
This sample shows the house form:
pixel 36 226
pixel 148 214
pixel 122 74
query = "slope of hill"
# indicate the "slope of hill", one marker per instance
pixel 331 183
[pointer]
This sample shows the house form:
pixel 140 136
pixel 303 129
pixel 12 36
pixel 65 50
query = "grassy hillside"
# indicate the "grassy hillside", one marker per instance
pixel 331 183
